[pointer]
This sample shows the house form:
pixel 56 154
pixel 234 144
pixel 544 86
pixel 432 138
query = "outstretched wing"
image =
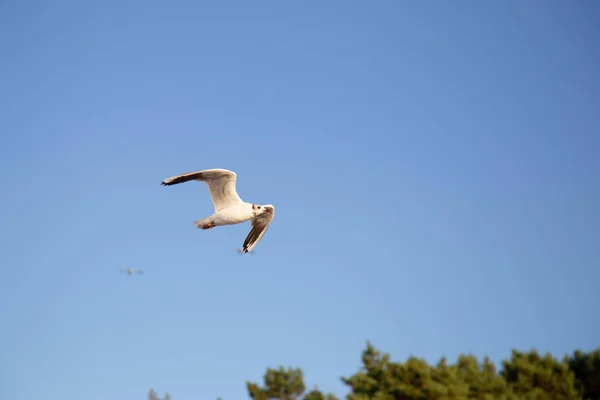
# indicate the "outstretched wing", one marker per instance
pixel 221 185
pixel 260 224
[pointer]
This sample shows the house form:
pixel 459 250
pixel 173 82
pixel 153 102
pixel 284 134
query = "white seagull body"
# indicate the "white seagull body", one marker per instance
pixel 230 209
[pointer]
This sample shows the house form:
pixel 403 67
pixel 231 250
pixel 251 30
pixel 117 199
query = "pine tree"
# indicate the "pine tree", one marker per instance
pixel 284 384
pixel 482 379
pixel 530 375
pixel 152 395
pixel 586 367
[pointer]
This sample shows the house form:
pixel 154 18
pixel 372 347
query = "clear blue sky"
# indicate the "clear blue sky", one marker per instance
pixel 434 167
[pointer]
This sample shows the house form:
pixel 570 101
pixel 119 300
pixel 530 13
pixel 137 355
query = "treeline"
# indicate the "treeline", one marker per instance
pixel 525 376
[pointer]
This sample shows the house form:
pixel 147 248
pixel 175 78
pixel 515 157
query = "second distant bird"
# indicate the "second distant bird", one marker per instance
pixel 230 209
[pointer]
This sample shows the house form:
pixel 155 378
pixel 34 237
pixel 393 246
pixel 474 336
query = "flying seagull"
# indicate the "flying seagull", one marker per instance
pixel 132 271
pixel 230 209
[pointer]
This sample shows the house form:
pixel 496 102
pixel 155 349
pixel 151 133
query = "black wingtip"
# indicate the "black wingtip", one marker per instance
pixel 245 251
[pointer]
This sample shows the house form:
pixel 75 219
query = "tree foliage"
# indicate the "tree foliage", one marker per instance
pixel 530 375
pixel 152 395
pixel 586 367
pixel 284 384
pixel 524 376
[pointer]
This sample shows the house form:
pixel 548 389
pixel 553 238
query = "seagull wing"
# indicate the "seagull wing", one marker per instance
pixel 221 185
pixel 260 224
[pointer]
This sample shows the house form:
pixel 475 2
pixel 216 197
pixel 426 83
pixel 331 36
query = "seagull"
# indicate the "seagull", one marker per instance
pixel 230 209
pixel 132 271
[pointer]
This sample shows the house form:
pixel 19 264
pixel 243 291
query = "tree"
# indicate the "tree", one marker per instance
pixel 415 379
pixel 483 381
pixel 284 384
pixel 527 375
pixel 531 375
pixel 586 368
pixel 279 384
pixel 153 396
pixel 316 394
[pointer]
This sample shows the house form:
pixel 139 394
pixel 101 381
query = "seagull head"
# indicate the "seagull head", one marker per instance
pixel 257 209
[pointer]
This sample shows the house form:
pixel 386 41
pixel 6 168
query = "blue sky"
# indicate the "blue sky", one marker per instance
pixel 434 168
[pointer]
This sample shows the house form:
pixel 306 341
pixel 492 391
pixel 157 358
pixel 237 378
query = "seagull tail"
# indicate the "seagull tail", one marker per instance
pixel 204 223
